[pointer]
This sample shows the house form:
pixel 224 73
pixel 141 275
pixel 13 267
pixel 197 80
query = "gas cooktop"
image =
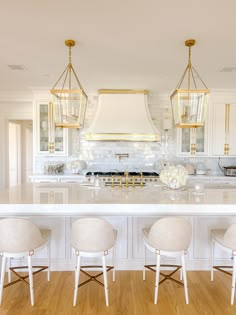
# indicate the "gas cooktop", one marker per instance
pixel 145 174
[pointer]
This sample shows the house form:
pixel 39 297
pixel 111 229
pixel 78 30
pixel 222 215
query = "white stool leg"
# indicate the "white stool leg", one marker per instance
pixel 181 273
pixel 185 280
pixel 145 261
pixel 105 279
pixel 212 258
pixel 3 268
pixel 113 262
pixel 157 278
pixel 49 259
pixel 9 271
pixel 31 283
pixel 77 274
pixel 233 280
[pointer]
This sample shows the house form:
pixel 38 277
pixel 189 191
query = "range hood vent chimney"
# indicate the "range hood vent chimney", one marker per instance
pixel 123 115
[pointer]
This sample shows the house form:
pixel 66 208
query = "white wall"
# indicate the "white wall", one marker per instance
pixel 13 106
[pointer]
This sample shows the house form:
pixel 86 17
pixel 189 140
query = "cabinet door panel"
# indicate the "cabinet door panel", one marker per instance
pixel 218 134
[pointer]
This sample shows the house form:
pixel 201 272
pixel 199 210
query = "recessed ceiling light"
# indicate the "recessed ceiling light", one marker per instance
pixel 228 69
pixel 17 67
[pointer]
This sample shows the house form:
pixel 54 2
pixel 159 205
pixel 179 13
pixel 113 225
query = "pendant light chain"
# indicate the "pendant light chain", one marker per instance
pixel 69 67
pixel 189 66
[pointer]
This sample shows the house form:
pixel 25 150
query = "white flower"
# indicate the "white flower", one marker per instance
pixel 174 176
pixel 78 165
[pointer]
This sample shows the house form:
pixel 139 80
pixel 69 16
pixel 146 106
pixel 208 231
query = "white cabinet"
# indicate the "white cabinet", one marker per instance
pixel 185 137
pixel 221 135
pixel 48 141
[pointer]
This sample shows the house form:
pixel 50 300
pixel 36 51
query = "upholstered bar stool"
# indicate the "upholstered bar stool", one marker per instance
pixel 93 237
pixel 21 238
pixel 168 237
pixel 226 240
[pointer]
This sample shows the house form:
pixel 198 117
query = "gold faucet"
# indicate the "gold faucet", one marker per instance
pixel 126 178
pixel 141 179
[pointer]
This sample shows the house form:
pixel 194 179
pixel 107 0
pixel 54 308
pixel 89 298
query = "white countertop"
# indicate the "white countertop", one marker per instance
pixel 68 199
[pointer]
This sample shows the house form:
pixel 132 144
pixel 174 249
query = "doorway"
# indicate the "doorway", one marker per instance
pixel 20 151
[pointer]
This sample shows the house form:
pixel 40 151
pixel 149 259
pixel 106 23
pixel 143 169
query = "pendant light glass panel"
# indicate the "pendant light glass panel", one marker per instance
pixel 69 108
pixel 189 107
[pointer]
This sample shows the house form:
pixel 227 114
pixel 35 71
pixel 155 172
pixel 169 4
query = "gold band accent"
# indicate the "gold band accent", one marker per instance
pixel 122 137
pixel 107 91
pixel 226 145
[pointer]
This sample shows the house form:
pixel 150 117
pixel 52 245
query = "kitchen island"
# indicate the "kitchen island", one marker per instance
pixel 129 209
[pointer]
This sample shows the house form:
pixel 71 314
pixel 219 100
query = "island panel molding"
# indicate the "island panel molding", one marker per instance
pixel 57 205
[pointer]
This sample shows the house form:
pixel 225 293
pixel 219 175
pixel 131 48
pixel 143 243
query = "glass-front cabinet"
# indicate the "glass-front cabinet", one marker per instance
pixel 192 136
pixel 50 140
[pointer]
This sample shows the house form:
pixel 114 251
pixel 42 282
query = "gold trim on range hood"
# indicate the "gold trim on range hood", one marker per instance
pixel 122 115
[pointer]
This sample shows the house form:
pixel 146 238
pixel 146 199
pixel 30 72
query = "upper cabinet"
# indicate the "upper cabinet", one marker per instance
pixel 185 138
pixel 49 140
pixel 224 129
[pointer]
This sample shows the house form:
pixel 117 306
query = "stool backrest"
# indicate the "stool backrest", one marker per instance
pixel 18 235
pixel 92 235
pixel 230 237
pixel 170 234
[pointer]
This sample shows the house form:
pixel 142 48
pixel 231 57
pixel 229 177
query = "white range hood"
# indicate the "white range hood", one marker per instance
pixel 123 115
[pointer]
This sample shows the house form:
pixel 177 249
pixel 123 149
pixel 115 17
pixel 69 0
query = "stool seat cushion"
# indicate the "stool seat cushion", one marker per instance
pixel 218 235
pixel 226 237
pixel 92 235
pixel 20 235
pixel 169 234
pixel 46 234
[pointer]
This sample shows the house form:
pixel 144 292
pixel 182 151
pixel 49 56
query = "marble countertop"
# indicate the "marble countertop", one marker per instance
pixel 69 199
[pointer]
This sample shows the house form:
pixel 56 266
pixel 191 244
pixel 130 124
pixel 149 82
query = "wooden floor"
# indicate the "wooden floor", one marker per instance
pixel 128 295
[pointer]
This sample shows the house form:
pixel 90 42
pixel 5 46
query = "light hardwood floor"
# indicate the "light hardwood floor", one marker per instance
pixel 129 295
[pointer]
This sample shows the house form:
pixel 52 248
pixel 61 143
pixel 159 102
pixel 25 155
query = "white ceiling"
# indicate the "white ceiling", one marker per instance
pixel 120 44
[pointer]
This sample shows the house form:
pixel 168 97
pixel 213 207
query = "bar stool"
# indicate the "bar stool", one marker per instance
pixel 226 240
pixel 168 237
pixel 20 238
pixel 93 237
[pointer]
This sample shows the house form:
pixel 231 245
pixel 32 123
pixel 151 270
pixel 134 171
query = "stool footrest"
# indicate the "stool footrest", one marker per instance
pixel 22 278
pixel 93 278
pixel 219 268
pixel 166 276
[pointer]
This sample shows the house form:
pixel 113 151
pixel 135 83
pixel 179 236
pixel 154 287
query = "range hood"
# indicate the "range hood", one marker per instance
pixel 122 115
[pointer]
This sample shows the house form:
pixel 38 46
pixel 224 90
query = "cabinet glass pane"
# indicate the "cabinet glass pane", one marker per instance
pixel 43 114
pixel 200 139
pixel 59 144
pixel 185 145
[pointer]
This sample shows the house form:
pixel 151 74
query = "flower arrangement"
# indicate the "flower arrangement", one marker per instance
pixel 77 166
pixel 174 176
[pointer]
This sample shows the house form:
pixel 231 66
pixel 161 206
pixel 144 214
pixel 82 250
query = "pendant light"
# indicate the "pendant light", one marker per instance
pixel 189 104
pixel 69 99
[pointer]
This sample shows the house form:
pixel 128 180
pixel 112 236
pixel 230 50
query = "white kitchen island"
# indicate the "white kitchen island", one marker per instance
pixel 57 205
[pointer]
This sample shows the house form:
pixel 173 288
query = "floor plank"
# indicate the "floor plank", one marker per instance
pixel 128 295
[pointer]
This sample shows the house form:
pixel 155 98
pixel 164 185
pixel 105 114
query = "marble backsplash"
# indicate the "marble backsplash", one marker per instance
pixel 145 156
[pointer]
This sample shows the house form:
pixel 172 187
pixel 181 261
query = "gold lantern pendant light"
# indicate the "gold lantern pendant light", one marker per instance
pixel 190 104
pixel 69 98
